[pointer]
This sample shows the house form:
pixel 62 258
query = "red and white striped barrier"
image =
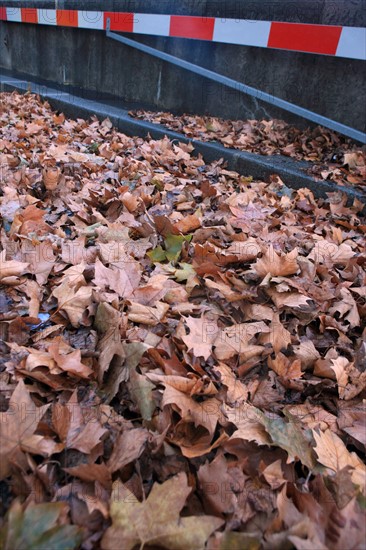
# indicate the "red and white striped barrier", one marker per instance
pixel 332 40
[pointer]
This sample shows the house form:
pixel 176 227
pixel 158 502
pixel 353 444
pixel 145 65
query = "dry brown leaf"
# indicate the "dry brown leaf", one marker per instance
pixel 17 425
pixel 202 334
pixel 333 454
pixel 284 367
pixel 146 315
pixel 10 270
pixel 74 302
pixel 128 447
pixel 277 265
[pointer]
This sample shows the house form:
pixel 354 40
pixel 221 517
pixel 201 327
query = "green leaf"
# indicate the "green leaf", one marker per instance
pixel 141 393
pixel 106 318
pixel 238 541
pixel 290 437
pixel 173 247
pixel 185 272
pixel 174 244
pixel 93 148
pixel 38 528
pixel 158 184
pixel 157 255
pixel 361 499
pixel 140 388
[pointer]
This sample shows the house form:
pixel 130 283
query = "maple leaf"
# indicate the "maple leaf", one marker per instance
pixel 11 269
pixel 147 315
pixel 276 265
pixel 339 365
pixel 236 340
pixel 202 334
pixel 16 425
pixel 129 446
pixel 284 367
pixel 123 277
pixel 69 362
pixel 248 421
pixel 333 454
pixel 276 334
pixel 73 302
pixel 236 390
pixel 40 258
pixel 157 521
pixel 331 253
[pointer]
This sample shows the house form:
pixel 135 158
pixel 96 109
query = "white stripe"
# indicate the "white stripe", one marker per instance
pixel 248 33
pixel 46 17
pixel 157 25
pixel 14 14
pixel 352 43
pixel 91 20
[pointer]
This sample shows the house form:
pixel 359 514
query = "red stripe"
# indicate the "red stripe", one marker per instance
pixel 192 27
pixel 120 21
pixel 29 15
pixel 2 14
pixel 304 38
pixel 67 18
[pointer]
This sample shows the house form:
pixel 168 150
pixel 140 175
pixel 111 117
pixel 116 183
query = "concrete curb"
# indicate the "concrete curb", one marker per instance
pixel 293 173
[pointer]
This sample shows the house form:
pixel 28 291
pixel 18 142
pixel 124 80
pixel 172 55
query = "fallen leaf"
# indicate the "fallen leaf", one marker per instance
pixel 156 521
pixel 129 446
pixel 39 527
pixel 202 334
pixel 333 454
pixel 17 424
pixel 276 265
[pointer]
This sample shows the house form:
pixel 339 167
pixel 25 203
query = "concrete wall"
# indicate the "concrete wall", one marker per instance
pixel 334 87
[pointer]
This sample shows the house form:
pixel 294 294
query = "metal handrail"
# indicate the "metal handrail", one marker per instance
pixel 239 86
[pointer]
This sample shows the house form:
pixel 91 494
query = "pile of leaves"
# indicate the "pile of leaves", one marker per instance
pixel 183 349
pixel 334 157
